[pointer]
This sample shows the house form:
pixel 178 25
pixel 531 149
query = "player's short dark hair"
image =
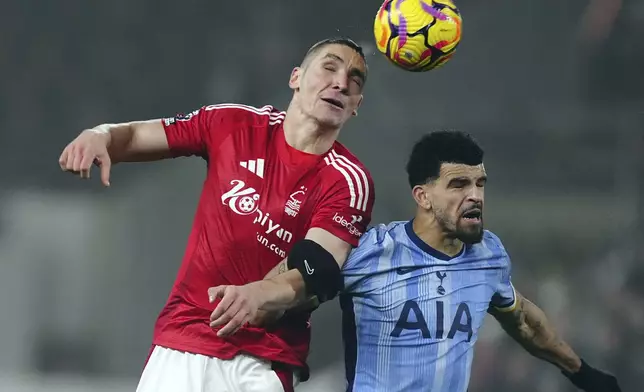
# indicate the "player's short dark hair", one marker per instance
pixel 346 41
pixel 439 147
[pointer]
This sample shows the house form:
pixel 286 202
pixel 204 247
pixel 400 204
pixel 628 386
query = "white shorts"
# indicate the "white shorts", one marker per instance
pixel 169 370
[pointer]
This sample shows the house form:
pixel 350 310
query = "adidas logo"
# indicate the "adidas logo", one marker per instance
pixel 254 166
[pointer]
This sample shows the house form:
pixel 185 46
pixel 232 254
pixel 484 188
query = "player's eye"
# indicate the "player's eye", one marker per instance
pixel 330 68
pixel 458 184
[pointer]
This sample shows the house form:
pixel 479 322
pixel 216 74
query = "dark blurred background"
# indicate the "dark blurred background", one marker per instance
pixel 553 90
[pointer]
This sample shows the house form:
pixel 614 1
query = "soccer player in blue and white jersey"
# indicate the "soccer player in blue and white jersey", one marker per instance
pixel 416 292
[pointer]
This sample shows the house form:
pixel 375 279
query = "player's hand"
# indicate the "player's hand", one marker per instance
pixel 590 379
pixel 239 305
pixel 265 318
pixel 90 147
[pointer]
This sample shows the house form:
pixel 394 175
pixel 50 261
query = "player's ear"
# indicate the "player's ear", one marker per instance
pixel 294 80
pixel 421 196
pixel 355 111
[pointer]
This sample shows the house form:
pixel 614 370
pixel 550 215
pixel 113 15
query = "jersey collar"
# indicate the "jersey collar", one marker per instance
pixel 409 229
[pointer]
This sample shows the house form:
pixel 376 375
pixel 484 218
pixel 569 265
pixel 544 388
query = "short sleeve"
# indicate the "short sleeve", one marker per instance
pixel 361 260
pixel 504 298
pixel 345 209
pixel 198 132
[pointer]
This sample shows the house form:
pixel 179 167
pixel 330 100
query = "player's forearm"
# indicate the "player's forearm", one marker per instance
pixel 308 304
pixel 279 269
pixel 284 291
pixel 322 253
pixel 134 141
pixel 532 330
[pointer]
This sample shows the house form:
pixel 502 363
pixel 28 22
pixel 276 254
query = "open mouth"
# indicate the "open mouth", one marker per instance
pixel 473 215
pixel 334 102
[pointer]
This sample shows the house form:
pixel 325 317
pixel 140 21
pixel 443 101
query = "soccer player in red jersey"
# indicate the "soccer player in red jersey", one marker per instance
pixel 276 182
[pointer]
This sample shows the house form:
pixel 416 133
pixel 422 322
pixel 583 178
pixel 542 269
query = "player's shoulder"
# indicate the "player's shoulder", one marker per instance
pixel 252 115
pixel 379 234
pixel 344 172
pixel 344 168
pixel 340 151
pixel 492 241
pixel 379 239
pixel 490 250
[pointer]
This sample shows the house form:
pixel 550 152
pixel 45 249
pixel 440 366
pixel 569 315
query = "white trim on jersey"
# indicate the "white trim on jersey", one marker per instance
pixel 355 169
pixel 358 184
pixel 273 117
pixel 254 166
pixel 510 306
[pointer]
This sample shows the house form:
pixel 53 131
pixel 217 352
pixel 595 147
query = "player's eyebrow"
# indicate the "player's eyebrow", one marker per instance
pixel 334 57
pixel 458 180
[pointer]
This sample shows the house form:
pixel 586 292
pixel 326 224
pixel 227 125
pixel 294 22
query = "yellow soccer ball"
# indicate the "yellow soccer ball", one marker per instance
pixel 418 35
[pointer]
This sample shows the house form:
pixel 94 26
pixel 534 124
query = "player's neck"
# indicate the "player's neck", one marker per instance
pixel 305 134
pixel 431 233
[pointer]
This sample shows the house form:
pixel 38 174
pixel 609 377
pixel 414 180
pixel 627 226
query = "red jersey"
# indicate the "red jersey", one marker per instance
pixel 260 196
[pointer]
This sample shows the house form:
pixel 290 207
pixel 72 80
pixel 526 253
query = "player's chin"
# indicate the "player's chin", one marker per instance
pixel 333 119
pixel 471 232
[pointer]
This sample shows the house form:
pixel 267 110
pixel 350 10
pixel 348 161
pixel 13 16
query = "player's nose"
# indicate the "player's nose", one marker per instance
pixel 475 195
pixel 341 82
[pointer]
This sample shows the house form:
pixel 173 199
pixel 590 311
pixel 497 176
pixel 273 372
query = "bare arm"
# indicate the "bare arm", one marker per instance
pixel 241 304
pixel 310 304
pixel 286 289
pixel 528 325
pixel 136 141
pixel 277 270
pixel 112 143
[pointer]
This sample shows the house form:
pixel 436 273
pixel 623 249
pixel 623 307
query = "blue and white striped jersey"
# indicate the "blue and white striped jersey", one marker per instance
pixel 411 314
